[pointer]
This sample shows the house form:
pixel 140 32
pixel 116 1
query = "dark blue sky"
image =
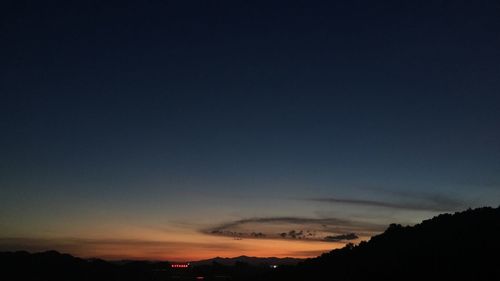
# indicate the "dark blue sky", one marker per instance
pixel 162 111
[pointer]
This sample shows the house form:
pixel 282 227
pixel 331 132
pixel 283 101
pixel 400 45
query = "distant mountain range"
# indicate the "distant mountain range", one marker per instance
pixel 255 261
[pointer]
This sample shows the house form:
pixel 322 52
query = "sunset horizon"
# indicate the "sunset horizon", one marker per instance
pixel 187 130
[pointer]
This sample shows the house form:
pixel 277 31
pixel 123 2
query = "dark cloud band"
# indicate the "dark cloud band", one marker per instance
pixel 405 201
pixel 305 229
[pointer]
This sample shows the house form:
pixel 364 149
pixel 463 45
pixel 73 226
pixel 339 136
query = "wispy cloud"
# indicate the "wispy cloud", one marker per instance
pixel 294 220
pixel 404 201
pixel 302 228
pixel 342 237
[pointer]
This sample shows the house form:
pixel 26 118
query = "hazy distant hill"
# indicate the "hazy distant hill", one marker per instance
pixel 256 261
pixel 462 246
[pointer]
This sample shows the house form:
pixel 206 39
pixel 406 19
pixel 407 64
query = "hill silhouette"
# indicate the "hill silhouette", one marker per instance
pixel 255 261
pixel 52 265
pixel 460 246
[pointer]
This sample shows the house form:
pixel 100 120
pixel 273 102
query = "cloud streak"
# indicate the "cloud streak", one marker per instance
pixel 342 237
pixel 406 201
pixel 295 228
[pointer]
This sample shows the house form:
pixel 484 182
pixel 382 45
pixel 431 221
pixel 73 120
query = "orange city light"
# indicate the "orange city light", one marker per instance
pixel 179 265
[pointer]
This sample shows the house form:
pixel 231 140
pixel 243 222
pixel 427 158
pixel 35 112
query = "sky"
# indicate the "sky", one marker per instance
pixel 185 130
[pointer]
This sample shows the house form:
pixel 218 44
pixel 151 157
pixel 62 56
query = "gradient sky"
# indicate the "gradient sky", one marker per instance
pixel 184 130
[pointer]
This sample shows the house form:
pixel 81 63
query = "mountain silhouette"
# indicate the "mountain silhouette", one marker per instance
pixel 255 261
pixel 52 265
pixel 460 246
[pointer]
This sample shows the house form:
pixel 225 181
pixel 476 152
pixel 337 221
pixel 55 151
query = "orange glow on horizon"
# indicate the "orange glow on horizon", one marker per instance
pixel 174 244
pixel 224 247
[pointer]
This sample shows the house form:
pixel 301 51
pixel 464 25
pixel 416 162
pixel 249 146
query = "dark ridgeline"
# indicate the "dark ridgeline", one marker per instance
pixel 255 261
pixel 52 265
pixel 462 246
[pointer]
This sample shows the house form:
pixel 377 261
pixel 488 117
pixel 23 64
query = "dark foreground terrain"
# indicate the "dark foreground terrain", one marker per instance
pixel 460 246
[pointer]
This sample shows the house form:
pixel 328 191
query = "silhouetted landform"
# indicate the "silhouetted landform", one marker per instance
pixel 462 246
pixel 52 265
pixel 253 261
